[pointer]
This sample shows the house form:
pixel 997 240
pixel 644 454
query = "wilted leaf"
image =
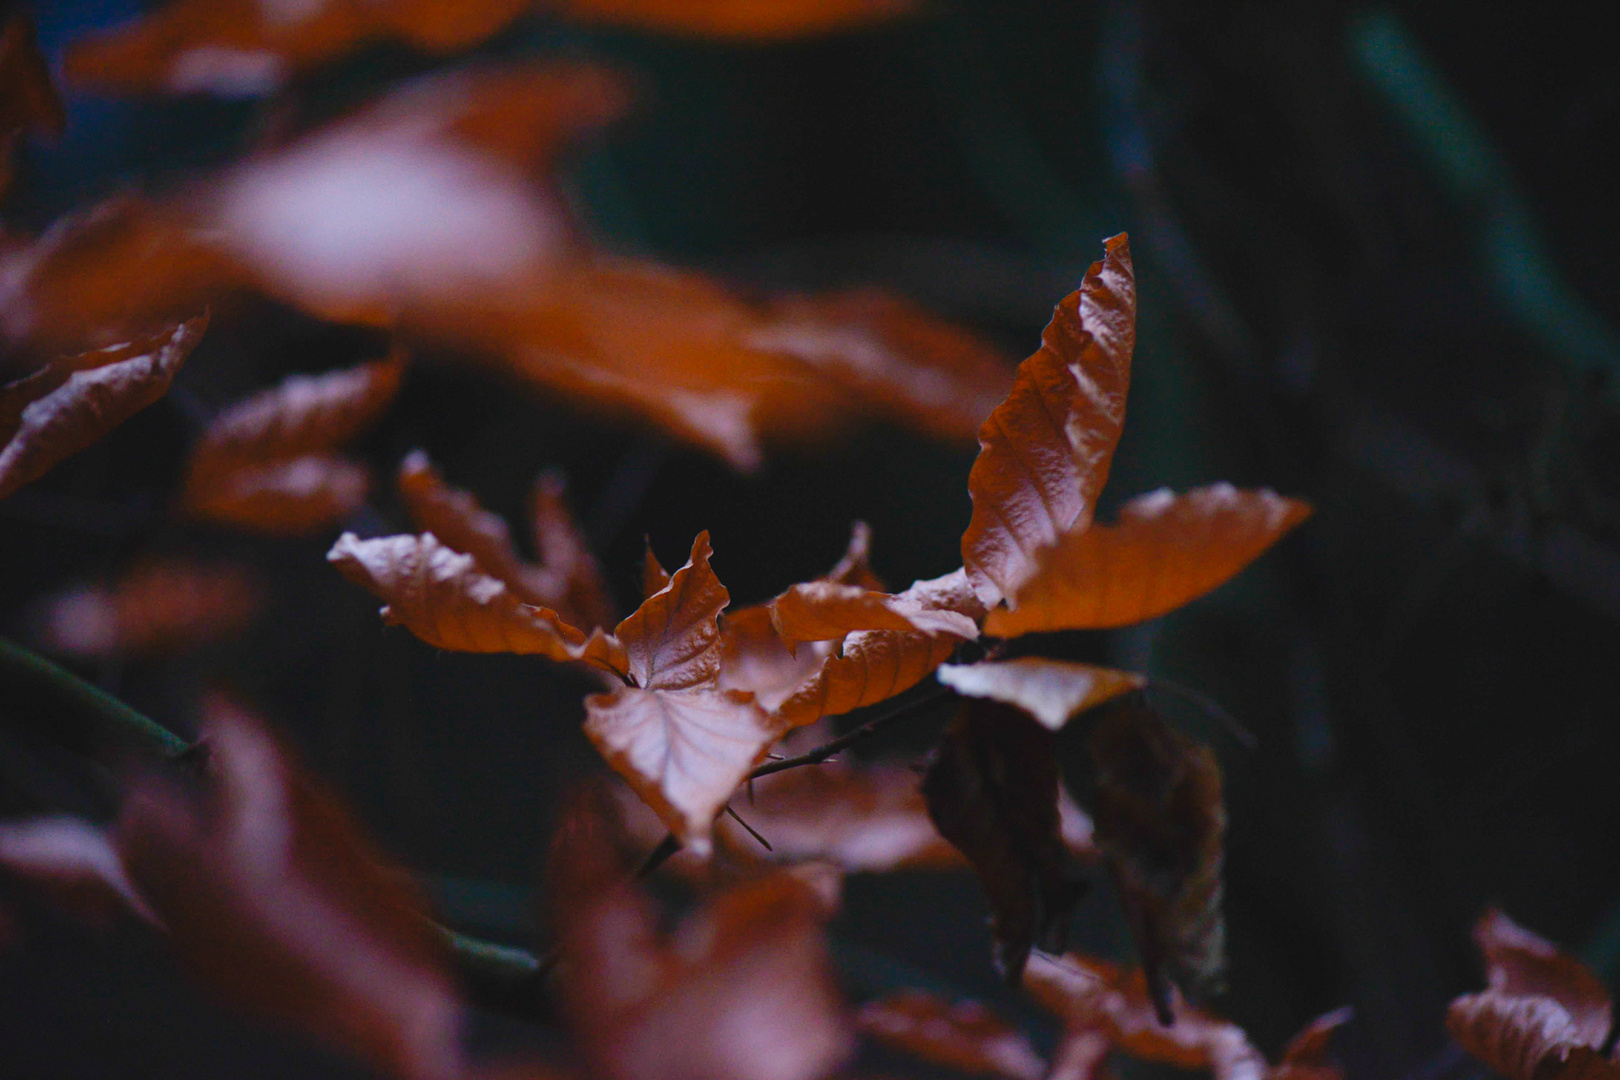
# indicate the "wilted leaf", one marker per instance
pixel 1051 691
pixel 92 400
pixel 1160 826
pixel 1094 996
pixel 933 376
pixel 992 790
pixel 746 20
pixel 1544 1016
pixel 1045 452
pixel 446 600
pixel 869 666
pixel 1167 550
pixel 965 1037
pixel 275 899
pixel 74 863
pixel 741 991
pixel 673 639
pixel 157 607
pixel 242 48
pixel 826 610
pixel 569 581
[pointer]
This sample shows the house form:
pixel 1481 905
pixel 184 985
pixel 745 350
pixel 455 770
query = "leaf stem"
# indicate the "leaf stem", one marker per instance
pixel 850 738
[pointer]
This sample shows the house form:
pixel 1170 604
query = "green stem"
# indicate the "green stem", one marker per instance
pixel 86 719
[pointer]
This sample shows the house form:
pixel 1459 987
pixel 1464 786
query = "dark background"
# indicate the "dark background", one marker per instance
pixel 1374 248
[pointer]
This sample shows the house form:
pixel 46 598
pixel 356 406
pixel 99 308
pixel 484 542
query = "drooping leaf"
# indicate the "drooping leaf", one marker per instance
pixel 1544 1016
pixel 1051 691
pixel 745 20
pixel 1045 451
pixel 568 580
pixel 1095 997
pixel 1161 825
pixel 964 1037
pixel 238 48
pixel 869 666
pixel 826 610
pixel 90 402
pixel 446 600
pixel 275 899
pixel 157 607
pixel 644 1007
pixel 75 864
pixel 1166 551
pixel 992 790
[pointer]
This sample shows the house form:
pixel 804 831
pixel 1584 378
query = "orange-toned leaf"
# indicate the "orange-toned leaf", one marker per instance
pixel 1519 963
pixel 1094 996
pixel 238 48
pixel 653 575
pixel 1161 825
pixel 272 895
pixel 295 497
pixel 743 20
pixel 992 790
pixel 684 751
pixel 1045 452
pixel 1307 1057
pixel 933 376
pixel 1166 551
pixel 561 546
pixel 870 666
pixel 157 607
pixel 91 401
pixel 28 99
pixel 74 863
pixel 826 610
pixel 446 600
pixel 753 657
pixel 964 1037
pixel 673 639
pixel 1051 691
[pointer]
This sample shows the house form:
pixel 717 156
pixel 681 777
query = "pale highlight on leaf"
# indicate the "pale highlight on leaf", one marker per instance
pixel 965 1037
pixel 1522 964
pixel 753 657
pixel 673 639
pixel 1052 691
pixel 826 610
pixel 446 600
pixel 157 607
pixel 684 751
pixel 743 20
pixel 91 402
pixel 1045 452
pixel 871 666
pixel 1166 551
pixel 75 863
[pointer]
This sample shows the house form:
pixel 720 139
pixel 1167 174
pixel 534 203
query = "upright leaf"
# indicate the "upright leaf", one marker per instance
pixel 565 555
pixel 1166 551
pixel 992 790
pixel 1161 826
pixel 1044 453
pixel 94 398
pixel 673 638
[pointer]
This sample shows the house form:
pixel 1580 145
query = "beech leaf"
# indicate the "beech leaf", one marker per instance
pixel 565 555
pixel 869 666
pixel 753 657
pixel 1166 551
pixel 1161 826
pixel 964 1037
pixel 673 639
pixel 826 610
pixel 992 790
pixel 296 497
pixel 1044 453
pixel 273 897
pixel 1051 691
pixel 157 607
pixel 446 600
pixel 91 401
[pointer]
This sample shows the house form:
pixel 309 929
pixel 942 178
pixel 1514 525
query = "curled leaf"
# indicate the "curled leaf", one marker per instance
pixel 1045 451
pixel 1051 691
pixel 1161 826
pixel 826 610
pixel 1166 551
pixel 446 600
pixel 869 666
pixel 274 898
pixel 157 607
pixel 964 1037
pixel 753 657
pixel 57 418
pixel 992 790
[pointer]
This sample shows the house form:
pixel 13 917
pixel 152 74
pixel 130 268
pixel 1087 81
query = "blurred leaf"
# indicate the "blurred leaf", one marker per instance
pixel 29 101
pixel 75 864
pixel 157 607
pixel 743 20
pixel 1051 691
pixel 965 1037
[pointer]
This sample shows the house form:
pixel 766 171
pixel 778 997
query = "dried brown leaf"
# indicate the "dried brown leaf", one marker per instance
pixel 157 607
pixel 446 600
pixel 29 100
pixel 1306 1056
pixel 744 20
pixel 870 666
pixel 826 610
pixel 1051 691
pixel 1166 551
pixel 653 575
pixel 673 639
pixel 965 1037
pixel 75 864
pixel 992 790
pixel 1045 452
pixel 274 898
pixel 92 401
pixel 753 657
pixel 564 553
pixel 1161 826
pixel 1519 963
pixel 239 48
pixel 296 497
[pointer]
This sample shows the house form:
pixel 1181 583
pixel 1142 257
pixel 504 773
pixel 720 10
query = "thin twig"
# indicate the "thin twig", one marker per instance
pixel 764 843
pixel 848 739
pixel 1243 735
